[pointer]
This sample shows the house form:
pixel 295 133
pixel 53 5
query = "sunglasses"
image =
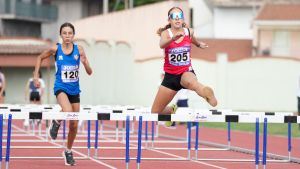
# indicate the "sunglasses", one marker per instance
pixel 175 15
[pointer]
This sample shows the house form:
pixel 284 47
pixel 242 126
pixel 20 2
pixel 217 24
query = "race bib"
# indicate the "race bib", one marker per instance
pixel 179 56
pixel 69 73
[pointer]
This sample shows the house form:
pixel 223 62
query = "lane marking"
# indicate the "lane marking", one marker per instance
pixel 77 152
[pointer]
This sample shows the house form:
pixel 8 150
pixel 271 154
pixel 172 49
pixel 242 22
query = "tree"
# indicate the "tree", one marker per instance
pixel 116 5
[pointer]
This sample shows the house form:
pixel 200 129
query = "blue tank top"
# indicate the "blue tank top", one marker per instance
pixel 32 87
pixel 67 71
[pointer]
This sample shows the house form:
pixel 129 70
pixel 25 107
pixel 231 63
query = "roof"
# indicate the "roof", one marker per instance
pixel 285 12
pixel 22 51
pixel 235 48
pixel 22 45
pixel 235 3
pixel 245 3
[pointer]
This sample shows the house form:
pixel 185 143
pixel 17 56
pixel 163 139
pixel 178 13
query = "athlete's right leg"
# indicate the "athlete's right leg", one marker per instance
pixel 64 102
pixel 163 97
pixel 66 106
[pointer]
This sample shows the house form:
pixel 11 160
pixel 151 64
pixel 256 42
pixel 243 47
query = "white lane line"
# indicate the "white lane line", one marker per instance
pixel 109 166
pixel 77 152
pixel 173 155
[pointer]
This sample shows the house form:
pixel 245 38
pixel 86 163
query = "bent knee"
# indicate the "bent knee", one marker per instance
pixel 190 85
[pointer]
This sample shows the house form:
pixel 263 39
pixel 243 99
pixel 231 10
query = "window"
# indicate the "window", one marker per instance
pixel 281 43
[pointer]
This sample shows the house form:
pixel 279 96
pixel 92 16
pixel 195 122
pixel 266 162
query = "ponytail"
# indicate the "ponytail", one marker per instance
pixel 160 30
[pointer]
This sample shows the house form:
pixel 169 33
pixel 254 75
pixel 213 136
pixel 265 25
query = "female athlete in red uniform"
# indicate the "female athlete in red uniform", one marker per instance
pixel 176 40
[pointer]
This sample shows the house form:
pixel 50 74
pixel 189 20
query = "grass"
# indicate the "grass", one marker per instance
pixel 273 129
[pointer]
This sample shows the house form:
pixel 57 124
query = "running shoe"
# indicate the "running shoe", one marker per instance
pixel 171 123
pixel 68 157
pixel 53 129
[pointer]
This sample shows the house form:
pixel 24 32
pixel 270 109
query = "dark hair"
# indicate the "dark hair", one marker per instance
pixel 169 12
pixel 67 24
pixel 160 30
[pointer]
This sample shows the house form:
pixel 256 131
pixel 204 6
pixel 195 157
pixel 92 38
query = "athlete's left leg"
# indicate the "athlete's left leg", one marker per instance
pixel 189 81
pixel 73 124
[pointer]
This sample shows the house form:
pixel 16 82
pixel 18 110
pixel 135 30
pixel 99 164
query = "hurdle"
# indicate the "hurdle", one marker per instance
pixel 193 115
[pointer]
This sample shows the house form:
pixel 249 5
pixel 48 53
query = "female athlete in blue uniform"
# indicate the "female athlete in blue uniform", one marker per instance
pixel 66 87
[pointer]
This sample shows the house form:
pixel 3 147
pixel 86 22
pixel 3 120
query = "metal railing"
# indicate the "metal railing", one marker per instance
pixel 31 11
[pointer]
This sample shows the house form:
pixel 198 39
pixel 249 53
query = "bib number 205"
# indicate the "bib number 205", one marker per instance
pixel 179 57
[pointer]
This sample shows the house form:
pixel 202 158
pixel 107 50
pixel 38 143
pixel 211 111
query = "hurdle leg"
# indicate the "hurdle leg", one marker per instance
pixel 47 124
pixel 264 162
pixel 189 140
pixel 8 141
pixel 257 143
pixel 96 139
pixel 123 131
pixel 46 129
pixel 32 125
pixel 89 138
pixel 289 141
pixel 40 127
pixel 101 128
pixel 117 130
pixel 196 140
pixel 83 126
pixel 127 158
pixel 228 134
pixel 64 133
pixel 132 127
pixel 152 134
pixel 157 130
pixel 146 134
pixel 138 159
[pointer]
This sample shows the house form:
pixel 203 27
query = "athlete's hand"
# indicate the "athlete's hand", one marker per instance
pixel 177 36
pixel 36 82
pixel 202 45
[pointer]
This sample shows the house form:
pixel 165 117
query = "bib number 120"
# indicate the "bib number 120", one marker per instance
pixel 70 74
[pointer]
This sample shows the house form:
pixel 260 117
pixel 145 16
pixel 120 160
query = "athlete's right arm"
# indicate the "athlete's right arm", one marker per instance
pixel 47 53
pixel 165 39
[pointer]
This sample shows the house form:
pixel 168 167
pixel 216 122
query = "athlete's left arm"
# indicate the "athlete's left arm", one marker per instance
pixel 3 84
pixel 196 42
pixel 84 61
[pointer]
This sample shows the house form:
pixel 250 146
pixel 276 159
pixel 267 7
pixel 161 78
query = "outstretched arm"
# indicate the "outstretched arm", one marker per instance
pixel 196 42
pixel 39 60
pixel 84 61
